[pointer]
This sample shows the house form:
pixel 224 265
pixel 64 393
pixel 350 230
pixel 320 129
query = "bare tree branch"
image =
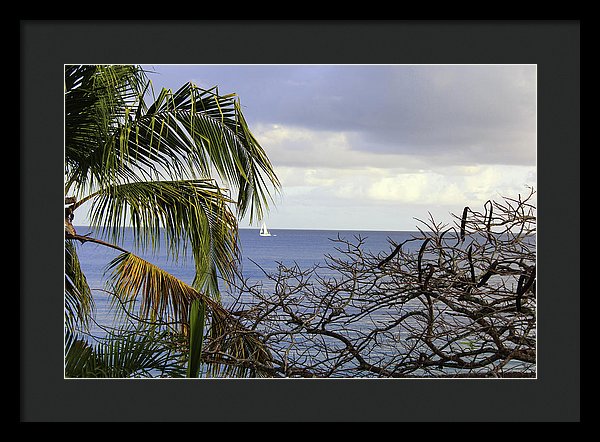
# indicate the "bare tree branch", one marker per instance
pixel 407 313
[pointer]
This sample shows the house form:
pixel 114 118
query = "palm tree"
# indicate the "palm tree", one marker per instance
pixel 177 168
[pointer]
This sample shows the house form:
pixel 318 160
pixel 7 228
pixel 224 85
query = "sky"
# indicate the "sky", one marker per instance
pixel 380 147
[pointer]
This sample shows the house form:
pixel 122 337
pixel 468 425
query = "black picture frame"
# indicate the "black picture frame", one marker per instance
pixel 46 45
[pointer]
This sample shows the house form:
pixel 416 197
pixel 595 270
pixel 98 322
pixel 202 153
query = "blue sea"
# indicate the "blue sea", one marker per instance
pixel 304 248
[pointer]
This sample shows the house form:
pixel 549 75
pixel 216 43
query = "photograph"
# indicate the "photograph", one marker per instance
pixel 300 221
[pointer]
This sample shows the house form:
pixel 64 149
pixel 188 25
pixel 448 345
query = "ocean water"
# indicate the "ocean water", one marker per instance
pixel 288 247
pixel 260 255
pixel 304 247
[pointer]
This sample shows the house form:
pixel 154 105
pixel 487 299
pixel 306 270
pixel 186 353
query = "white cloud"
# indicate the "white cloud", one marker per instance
pixel 375 191
pixel 374 146
pixel 316 177
pixel 406 187
pixel 451 189
pixel 323 173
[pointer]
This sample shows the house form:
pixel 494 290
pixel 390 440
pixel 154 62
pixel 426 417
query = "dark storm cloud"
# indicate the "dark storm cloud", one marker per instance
pixel 479 114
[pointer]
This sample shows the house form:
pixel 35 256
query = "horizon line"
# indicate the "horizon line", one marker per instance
pixel 297 228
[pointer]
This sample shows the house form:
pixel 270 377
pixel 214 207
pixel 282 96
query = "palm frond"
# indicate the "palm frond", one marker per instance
pixel 192 132
pixel 149 291
pixel 80 360
pixel 154 294
pixel 192 213
pixel 197 318
pixel 79 302
pixel 132 350
pixel 155 167
pixel 97 101
pixel 113 136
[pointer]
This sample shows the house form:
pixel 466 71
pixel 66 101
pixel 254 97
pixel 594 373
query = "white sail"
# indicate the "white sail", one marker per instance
pixel 264 231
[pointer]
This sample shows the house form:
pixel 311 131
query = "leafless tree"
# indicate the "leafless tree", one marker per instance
pixel 450 301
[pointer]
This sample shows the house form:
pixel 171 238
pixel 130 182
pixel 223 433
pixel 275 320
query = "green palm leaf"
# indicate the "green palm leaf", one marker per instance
pixel 132 350
pixel 170 170
pixel 154 294
pixel 192 214
pixel 79 302
pixel 197 313
pixel 114 137
pixel 80 360
pixel 194 132
pixel 96 99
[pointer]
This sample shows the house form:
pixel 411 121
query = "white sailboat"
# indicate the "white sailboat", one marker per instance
pixel 264 231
